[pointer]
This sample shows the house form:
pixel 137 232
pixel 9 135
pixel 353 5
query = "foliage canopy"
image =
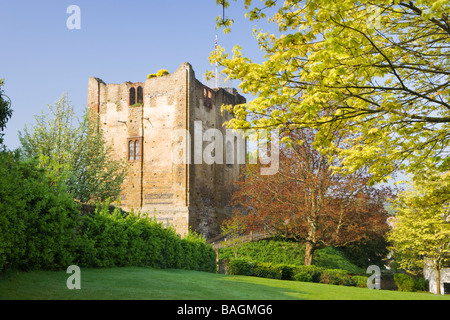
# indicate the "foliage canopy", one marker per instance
pixel 74 152
pixel 376 69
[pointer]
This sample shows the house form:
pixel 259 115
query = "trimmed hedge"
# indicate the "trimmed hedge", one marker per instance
pixel 37 221
pixel 337 277
pixel 41 228
pixel 303 277
pixel 117 239
pixel 404 282
pixel 289 253
pixel 361 281
pixel 316 274
pixel 408 283
pixel 291 272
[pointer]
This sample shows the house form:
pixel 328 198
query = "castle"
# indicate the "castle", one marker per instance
pixel 139 121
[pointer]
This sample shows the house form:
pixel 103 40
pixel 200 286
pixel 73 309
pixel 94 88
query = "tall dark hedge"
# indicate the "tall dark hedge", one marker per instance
pixel 38 221
pixel 41 228
pixel 118 239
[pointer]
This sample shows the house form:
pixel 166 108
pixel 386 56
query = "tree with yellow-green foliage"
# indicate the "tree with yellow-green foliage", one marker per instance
pixel 376 70
pixel 421 231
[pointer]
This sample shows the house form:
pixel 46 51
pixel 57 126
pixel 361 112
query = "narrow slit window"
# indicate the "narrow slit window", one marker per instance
pixel 136 150
pixel 130 150
pixel 132 96
pixel 140 95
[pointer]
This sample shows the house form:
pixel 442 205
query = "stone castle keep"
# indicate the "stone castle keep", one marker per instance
pixel 139 119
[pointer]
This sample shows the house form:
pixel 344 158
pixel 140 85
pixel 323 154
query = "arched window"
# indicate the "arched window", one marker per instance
pixel 130 150
pixel 136 150
pixel 132 96
pixel 140 95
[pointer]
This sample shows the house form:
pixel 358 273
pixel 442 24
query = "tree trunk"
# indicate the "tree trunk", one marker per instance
pixel 309 253
pixel 438 281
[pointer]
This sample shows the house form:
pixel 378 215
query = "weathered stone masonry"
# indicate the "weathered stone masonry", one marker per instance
pixel 139 119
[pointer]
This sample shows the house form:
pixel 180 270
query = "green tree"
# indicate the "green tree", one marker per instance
pixel 421 231
pixel 38 222
pixel 5 111
pixel 74 152
pixel 53 139
pixel 95 175
pixel 233 230
pixel 375 69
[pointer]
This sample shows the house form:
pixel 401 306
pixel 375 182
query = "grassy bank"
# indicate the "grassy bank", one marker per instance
pixel 155 284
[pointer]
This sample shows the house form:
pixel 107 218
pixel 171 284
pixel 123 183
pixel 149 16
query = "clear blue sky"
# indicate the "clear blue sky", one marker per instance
pixel 40 58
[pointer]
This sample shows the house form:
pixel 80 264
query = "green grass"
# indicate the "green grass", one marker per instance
pixel 152 284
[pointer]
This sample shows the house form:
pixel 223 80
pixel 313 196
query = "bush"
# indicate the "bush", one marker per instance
pixel 239 267
pixel 420 284
pixel 303 277
pixel 286 272
pixel 404 282
pixel 41 228
pixel 289 272
pixel 335 276
pixel 288 253
pixel 117 239
pixel 38 221
pixel 314 271
pixel 360 281
pixel 408 283
pixel 266 270
pixel 202 256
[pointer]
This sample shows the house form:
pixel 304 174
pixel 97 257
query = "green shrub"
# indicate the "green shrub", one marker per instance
pixel 360 281
pixel 349 281
pixel 200 256
pixel 289 253
pixel 314 271
pixel 38 220
pixel 114 239
pixel 420 284
pixel 404 282
pixel 289 272
pixel 286 272
pixel 239 267
pixel 334 276
pixel 41 228
pixel 303 277
pixel 266 270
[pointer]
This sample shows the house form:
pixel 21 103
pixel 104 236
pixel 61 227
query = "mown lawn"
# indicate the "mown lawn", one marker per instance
pixel 151 284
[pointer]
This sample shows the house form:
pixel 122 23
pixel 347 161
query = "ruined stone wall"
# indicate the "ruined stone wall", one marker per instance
pixel 211 184
pixel 165 181
pixel 179 193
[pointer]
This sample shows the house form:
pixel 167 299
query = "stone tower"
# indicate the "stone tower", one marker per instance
pixel 139 121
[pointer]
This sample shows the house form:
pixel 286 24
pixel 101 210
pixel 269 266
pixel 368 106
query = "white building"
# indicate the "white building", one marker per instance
pixel 430 275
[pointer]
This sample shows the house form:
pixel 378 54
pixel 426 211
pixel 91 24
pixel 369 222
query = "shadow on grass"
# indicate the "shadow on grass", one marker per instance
pixel 142 283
